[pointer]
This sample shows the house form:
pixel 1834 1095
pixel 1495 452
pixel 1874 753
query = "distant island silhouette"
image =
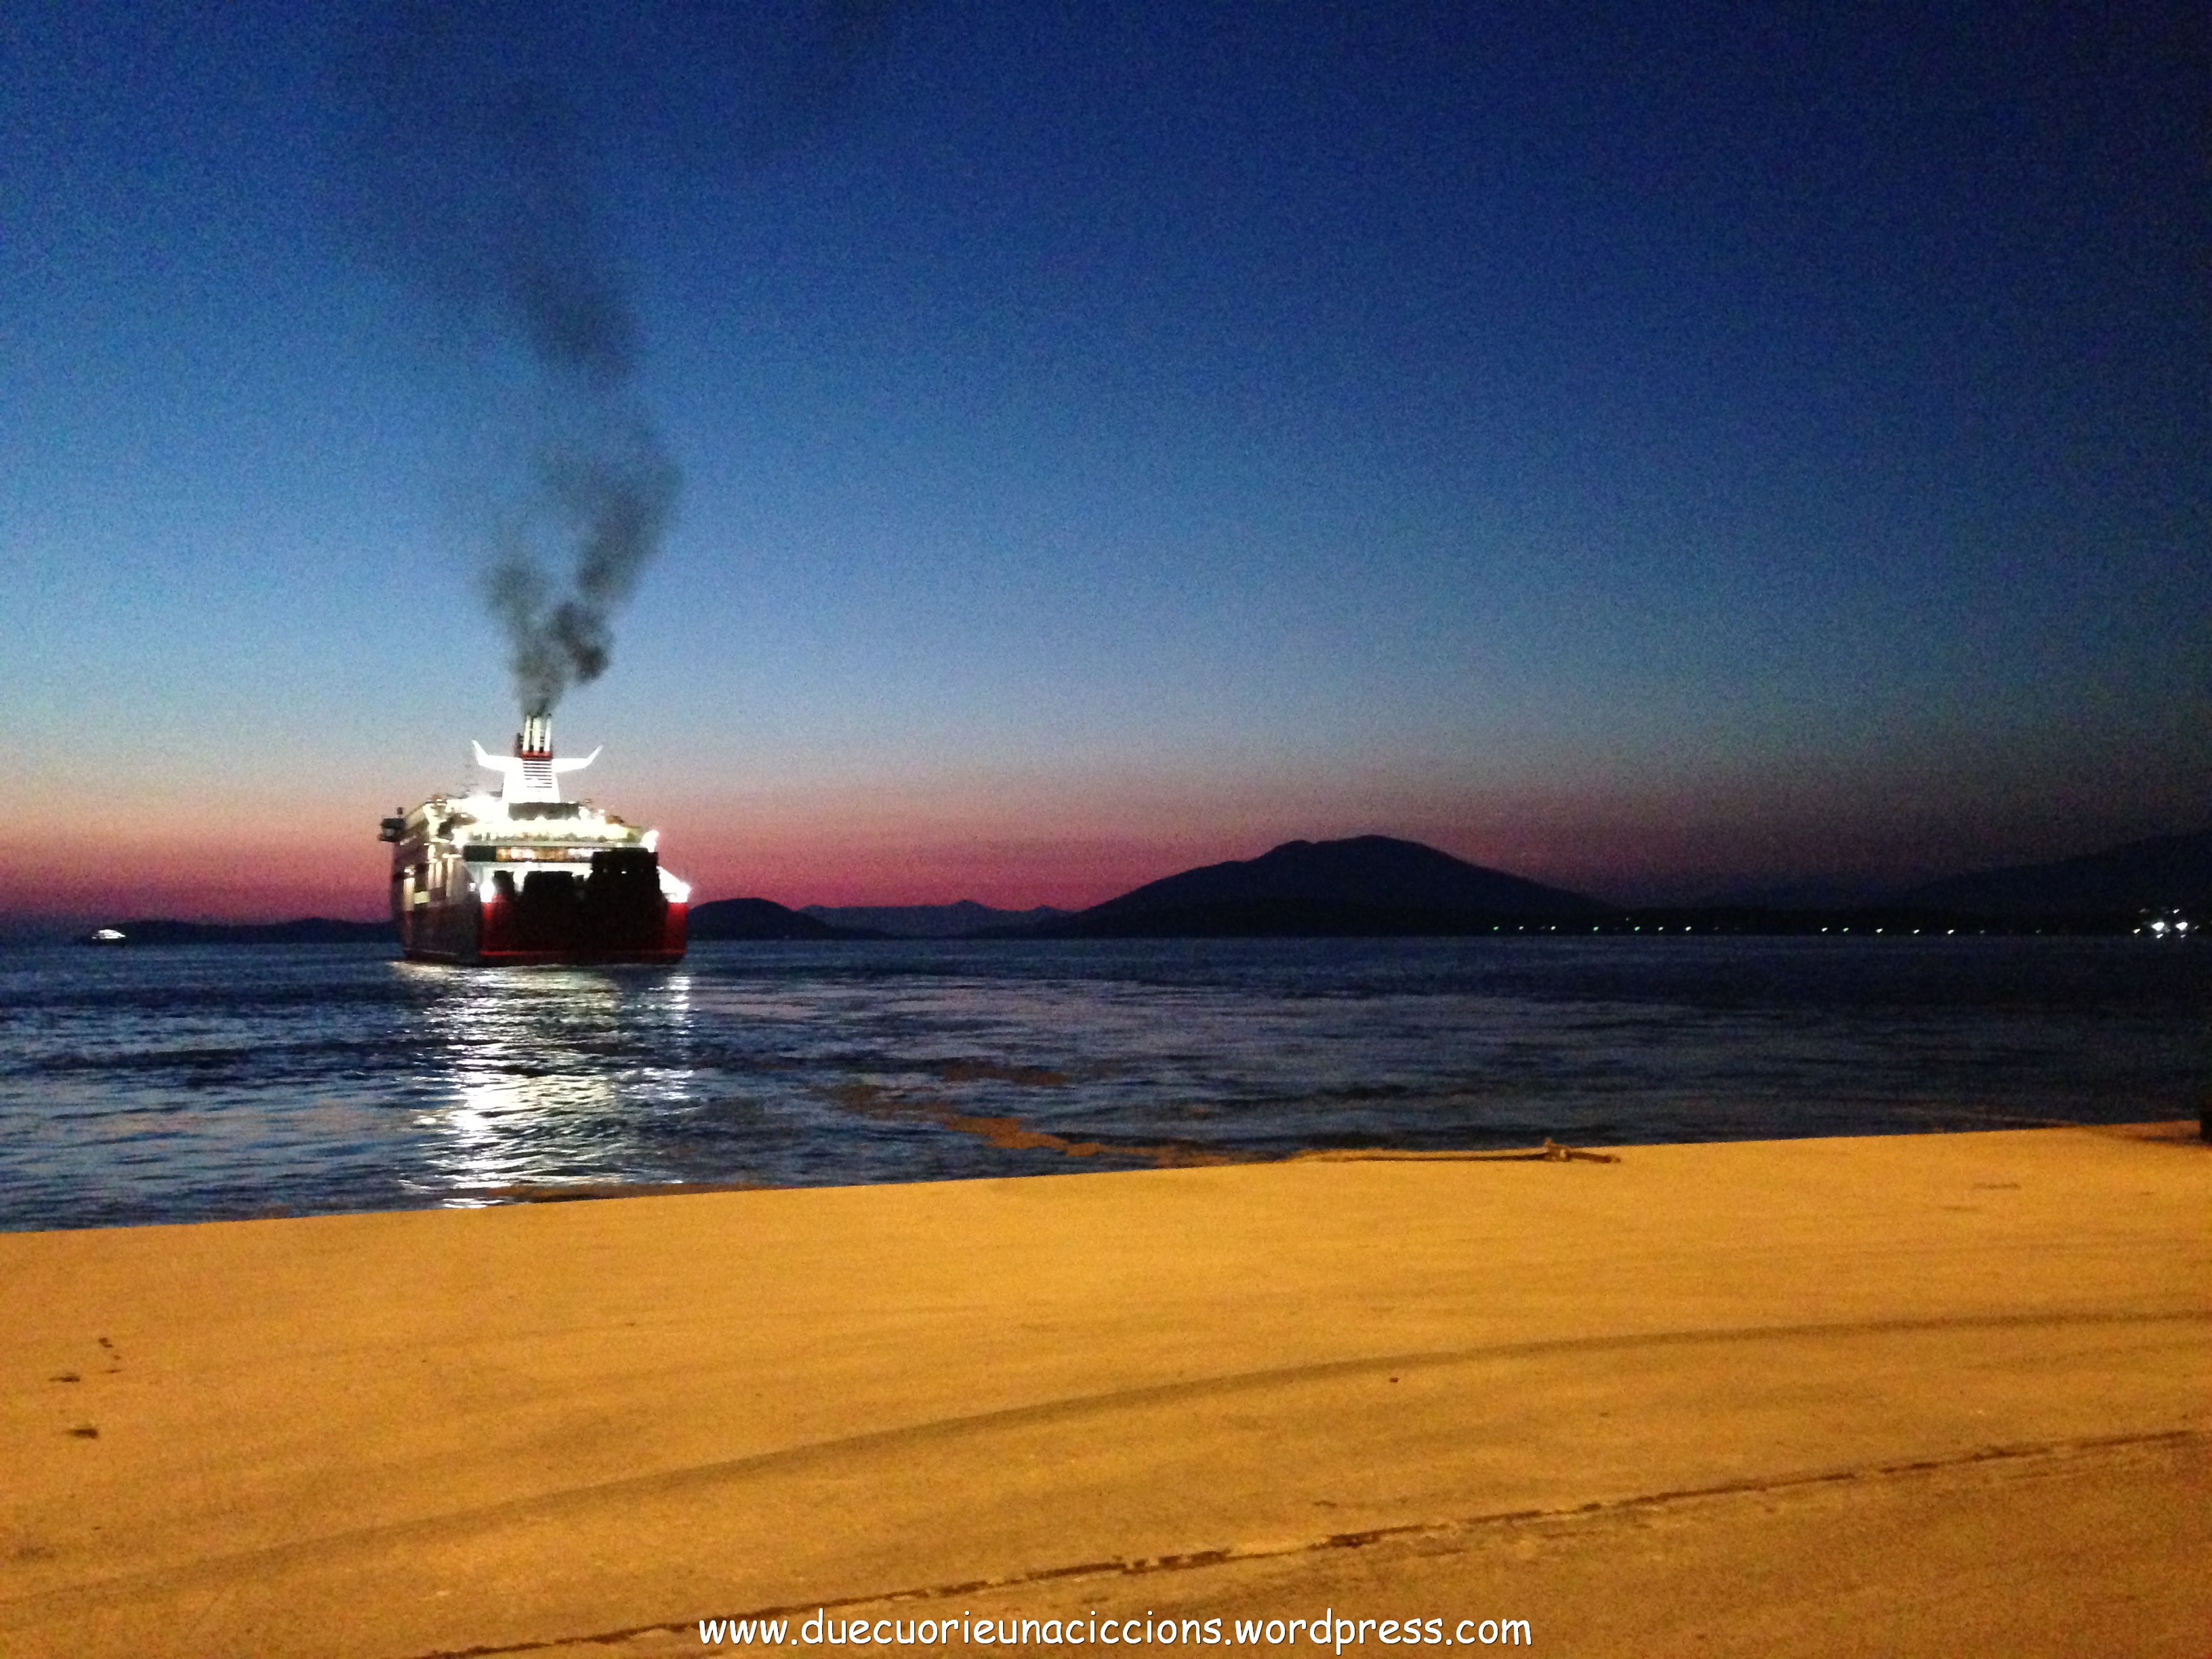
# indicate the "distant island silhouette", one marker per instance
pixel 764 919
pixel 1368 886
pixel 2167 873
pixel 308 930
pixel 964 920
pixel 1380 886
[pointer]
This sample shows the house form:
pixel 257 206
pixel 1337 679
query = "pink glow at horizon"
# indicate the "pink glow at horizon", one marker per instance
pixel 1009 841
pixel 196 879
pixel 1018 841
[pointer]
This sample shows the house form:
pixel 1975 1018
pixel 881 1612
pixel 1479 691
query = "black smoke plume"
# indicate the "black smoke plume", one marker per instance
pixel 610 507
pixel 468 136
pixel 471 166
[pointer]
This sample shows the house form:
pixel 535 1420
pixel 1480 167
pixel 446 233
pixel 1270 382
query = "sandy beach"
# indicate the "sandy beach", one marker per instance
pixel 1931 1394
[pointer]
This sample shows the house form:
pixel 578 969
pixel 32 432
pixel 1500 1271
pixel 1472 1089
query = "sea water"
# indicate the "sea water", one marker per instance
pixel 150 1084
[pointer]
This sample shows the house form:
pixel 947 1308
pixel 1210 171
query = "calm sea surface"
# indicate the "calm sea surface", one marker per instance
pixel 173 1085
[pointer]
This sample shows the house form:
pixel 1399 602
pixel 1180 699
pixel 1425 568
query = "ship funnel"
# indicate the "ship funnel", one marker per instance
pixel 532 773
pixel 533 747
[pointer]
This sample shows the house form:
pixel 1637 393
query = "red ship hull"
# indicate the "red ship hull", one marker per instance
pixel 483 933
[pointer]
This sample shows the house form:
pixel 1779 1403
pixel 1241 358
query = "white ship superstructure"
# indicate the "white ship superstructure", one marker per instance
pixel 526 876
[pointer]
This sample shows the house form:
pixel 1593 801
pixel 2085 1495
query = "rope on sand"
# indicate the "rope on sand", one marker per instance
pixel 1550 1151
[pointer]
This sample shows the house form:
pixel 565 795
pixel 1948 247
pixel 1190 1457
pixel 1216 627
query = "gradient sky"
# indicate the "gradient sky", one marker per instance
pixel 1659 450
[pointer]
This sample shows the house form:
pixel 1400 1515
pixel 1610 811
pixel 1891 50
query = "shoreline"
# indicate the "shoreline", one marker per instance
pixel 1015 1133
pixel 1719 1397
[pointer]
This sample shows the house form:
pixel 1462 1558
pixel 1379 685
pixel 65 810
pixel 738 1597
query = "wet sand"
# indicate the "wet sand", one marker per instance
pixel 1931 1394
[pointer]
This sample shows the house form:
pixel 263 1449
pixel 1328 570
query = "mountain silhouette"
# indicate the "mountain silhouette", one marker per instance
pixel 957 920
pixel 308 930
pixel 760 918
pixel 2167 873
pixel 1365 886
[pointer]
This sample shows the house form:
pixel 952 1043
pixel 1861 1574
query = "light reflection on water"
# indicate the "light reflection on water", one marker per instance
pixel 513 1088
pixel 179 1083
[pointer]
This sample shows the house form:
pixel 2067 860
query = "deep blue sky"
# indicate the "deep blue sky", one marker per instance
pixel 1652 448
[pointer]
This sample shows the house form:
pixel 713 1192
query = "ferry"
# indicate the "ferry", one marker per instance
pixel 525 876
